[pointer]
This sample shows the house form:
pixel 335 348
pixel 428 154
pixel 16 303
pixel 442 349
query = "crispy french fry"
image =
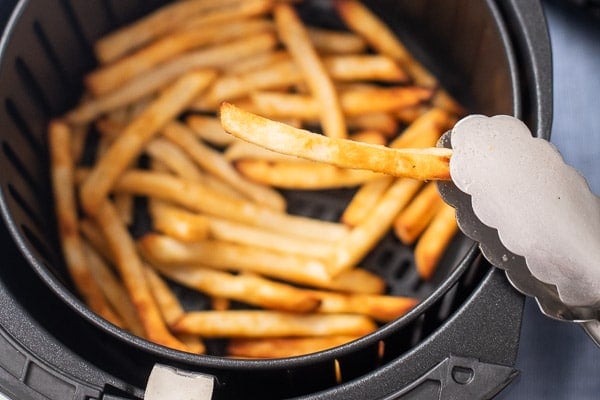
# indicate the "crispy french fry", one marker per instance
pixel 156 79
pixel 171 309
pixel 156 24
pixel 365 198
pixel 369 136
pixel 240 150
pixel 256 62
pixel 62 175
pixel 229 256
pixel 423 132
pixel 353 102
pixel 431 245
pixel 329 41
pixel 213 162
pixel 177 222
pixel 231 12
pixel 295 37
pixel 209 129
pixel 130 143
pixel 366 24
pixel 284 347
pixel 245 288
pixel 174 158
pixel 201 198
pixel 356 280
pixel 379 307
pixel 364 67
pixel 425 164
pixel 109 77
pixel 235 232
pixel 302 175
pixel 381 122
pixel 114 291
pixel 252 324
pixel 413 220
pixel 363 237
pixel 131 271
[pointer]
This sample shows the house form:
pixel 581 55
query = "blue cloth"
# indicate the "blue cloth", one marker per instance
pixel 556 359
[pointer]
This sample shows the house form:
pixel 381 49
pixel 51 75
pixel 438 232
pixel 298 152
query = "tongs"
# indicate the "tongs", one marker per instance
pixel 533 216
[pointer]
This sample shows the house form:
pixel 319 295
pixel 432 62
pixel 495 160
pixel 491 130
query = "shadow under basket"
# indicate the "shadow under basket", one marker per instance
pixel 461 341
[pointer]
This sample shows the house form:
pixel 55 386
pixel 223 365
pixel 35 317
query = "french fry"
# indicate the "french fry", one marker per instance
pixel 213 162
pixel 229 256
pixel 431 245
pixel 124 204
pixel 369 136
pixel 295 37
pixel 363 237
pixel 130 143
pixel 356 280
pixel 302 175
pixel 235 232
pixel 252 324
pixel 364 67
pixel 203 199
pixel 381 308
pixel 109 77
pixel 178 222
pixel 245 288
pixel 241 150
pixel 174 159
pixel 365 23
pixel 329 41
pixel 152 81
pixel 425 164
pixel 230 12
pixel 171 309
pixel 380 122
pixel 413 220
pixel 209 129
pixel 114 291
pixel 423 132
pixel 257 62
pixel 156 24
pixel 353 102
pixel 131 271
pixel 62 175
pixel 284 347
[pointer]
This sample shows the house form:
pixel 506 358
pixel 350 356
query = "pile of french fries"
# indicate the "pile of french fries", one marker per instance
pixel 160 121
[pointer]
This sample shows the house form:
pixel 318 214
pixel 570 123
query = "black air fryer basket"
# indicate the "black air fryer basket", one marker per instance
pixel 461 341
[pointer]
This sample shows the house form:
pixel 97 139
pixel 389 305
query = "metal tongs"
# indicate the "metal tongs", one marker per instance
pixel 565 288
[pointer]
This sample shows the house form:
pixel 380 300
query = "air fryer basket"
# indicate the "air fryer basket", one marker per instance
pixel 461 339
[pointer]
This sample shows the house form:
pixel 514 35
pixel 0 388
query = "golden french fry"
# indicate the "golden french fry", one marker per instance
pixel 413 220
pixel 114 291
pixel 431 245
pixel 363 237
pixel 368 67
pixel 366 24
pixel 109 77
pixel 235 232
pixel 302 175
pixel 131 271
pixel 163 20
pixel 245 288
pixel 240 150
pixel 425 164
pixel 174 159
pixel 257 62
pixel 329 41
pixel 130 143
pixel 369 136
pixel 229 12
pixel 295 37
pixel 356 280
pixel 284 347
pixel 209 129
pixel 214 163
pixel 381 122
pixel 252 324
pixel 409 114
pixel 359 19
pixel 161 76
pixel 171 309
pixel 423 132
pixel 177 222
pixel 364 199
pixel 379 307
pixel 353 102
pixel 63 188
pixel 201 198
pixel 229 256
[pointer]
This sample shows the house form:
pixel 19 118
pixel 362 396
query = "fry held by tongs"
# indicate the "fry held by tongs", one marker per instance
pixel 421 164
